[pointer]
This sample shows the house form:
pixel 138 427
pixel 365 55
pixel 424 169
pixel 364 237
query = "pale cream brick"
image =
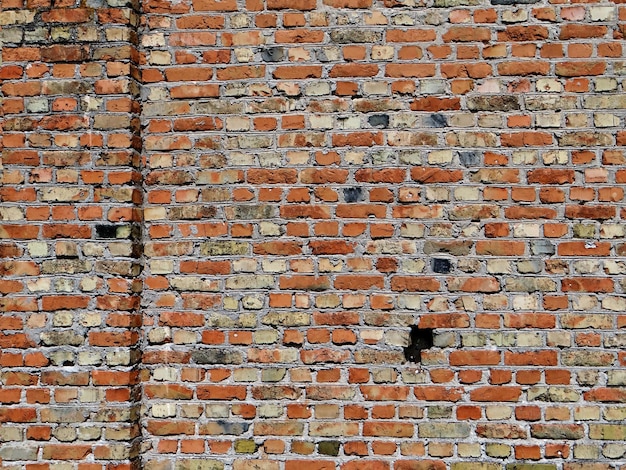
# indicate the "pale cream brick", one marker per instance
pixel 468 449
pixel 376 88
pixel 576 120
pixel 489 120
pixel 555 157
pixel 606 120
pixel 265 336
pixel 371 336
pixel 299 54
pixel 467 303
pixel 90 320
pixel 412 230
pixel 586 413
pixel 586 266
pixel 243 55
pixel 413 266
pixel 118 358
pixel 252 302
pixel 39 285
pixel 605 84
pixel 60 319
pixel 558 339
pixel 191 410
pixel 89 358
pixel 548 120
pixel 216 411
pixel 38 249
pixel 11 213
pixel 269 229
pixel 274 266
pixel 230 303
pixel 615 267
pixel 586 451
pixel 317 88
pixel 497 412
pixel 160 58
pixel 163 410
pixel 153 40
pixel 440 157
pixel 525 302
pixel 403 19
pixel 602 13
pixel 240 20
pixel 404 120
pixel 437 194
pixel 327 265
pixel 184 337
pixel 514 16
pixel 154 213
pixel 614 303
pixel 410 302
pixel 527 230
pixel 549 85
pixel 495 301
pixel 525 157
pixel 375 18
pixel 349 122
pixel 497 450
pixel 161 266
pixel 382 52
pixel 321 122
pixel 237 123
pixel 525 339
pixel 297 158
pixel 354 157
pixel 168 374
pixel 584 302
pixel 438 304
pixel 245 265
pixel 270 411
pixel 499 266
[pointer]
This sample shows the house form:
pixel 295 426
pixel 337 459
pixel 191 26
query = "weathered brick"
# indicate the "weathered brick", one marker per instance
pixel 557 431
pixel 443 430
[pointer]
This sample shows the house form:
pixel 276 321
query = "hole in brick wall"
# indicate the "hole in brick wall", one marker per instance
pixel 106 231
pixel 420 338
pixel 353 194
pixel 442 265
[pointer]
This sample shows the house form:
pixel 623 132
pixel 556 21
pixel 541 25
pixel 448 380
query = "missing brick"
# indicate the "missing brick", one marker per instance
pixel 442 265
pixel 420 338
pixel 353 194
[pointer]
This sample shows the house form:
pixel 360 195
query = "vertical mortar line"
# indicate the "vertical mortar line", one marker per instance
pixel 136 60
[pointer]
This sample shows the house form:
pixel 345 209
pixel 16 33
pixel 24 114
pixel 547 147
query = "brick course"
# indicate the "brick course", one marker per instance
pixel 224 225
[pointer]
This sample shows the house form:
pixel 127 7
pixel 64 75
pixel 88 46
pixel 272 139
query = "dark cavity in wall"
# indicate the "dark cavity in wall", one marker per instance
pixel 442 265
pixel 353 194
pixel 420 338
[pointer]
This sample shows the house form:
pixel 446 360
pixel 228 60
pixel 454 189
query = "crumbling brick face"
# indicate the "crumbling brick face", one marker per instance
pixel 310 235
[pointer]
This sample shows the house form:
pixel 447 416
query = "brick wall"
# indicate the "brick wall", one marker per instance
pixel 312 235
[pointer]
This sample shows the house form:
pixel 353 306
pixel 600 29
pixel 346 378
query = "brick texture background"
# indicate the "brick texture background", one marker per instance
pixel 223 222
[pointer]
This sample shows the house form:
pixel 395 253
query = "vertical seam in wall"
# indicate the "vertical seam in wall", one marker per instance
pixel 136 392
pixel 138 29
